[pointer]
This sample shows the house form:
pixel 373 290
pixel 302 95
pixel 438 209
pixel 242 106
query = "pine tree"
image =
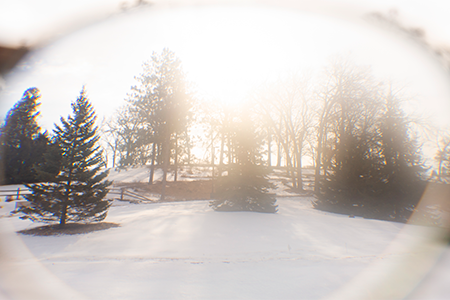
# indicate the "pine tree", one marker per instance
pixel 77 193
pixel 164 103
pixel 246 186
pixel 402 167
pixel 48 165
pixel 373 161
pixel 23 145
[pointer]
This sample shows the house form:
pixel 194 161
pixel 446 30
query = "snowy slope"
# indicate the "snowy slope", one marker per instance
pixel 141 174
pixel 186 250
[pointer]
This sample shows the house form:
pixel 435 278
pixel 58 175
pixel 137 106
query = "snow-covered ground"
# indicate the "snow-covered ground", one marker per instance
pixel 141 174
pixel 185 250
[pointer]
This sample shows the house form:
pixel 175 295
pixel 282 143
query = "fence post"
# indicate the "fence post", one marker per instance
pixel 18 193
pixel 121 194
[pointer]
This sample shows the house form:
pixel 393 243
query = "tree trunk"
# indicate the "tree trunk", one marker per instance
pixel 188 147
pixel 62 220
pixel 318 164
pixel 269 152
pixel 114 157
pixel 175 175
pixel 222 147
pixel 166 158
pixel 152 169
pixel 212 161
pixel 230 158
pixel 127 155
pixel 279 154
pixel 114 152
pixel 292 168
pixel 320 141
pixel 212 168
pixel 289 162
pixel 299 167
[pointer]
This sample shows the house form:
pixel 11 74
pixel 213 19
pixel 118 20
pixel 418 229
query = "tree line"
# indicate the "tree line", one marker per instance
pixel 364 147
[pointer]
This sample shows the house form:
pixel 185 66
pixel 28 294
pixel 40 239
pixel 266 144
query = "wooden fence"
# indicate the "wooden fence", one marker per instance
pixel 14 194
pixel 123 193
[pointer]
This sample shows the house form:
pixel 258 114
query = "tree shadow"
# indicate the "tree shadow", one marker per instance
pixel 68 229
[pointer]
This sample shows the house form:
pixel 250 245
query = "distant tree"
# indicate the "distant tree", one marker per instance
pixel 443 157
pixel 111 138
pixel 285 110
pixel 349 147
pixel 217 118
pixel 164 103
pixel 342 100
pixel 126 131
pixel 77 193
pixel 22 144
pixel 403 164
pixel 370 157
pixel 245 187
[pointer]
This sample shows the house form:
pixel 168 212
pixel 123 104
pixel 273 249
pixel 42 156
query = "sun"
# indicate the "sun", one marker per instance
pixel 230 53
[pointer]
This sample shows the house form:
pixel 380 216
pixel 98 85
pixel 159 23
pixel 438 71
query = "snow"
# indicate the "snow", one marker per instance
pixel 141 174
pixel 187 250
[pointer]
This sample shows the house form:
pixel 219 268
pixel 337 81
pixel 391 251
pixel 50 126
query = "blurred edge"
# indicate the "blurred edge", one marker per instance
pixel 22 276
pixel 9 57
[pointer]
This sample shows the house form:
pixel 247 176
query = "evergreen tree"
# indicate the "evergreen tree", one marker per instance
pixel 23 145
pixel 47 167
pixel 246 186
pixel 77 192
pixel 372 161
pixel 402 166
pixel 163 104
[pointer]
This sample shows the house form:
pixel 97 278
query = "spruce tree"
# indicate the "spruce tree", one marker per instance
pixel 22 144
pixel 402 168
pixel 246 186
pixel 77 193
pixel 374 165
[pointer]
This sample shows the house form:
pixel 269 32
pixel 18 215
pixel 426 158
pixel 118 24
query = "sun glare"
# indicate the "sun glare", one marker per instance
pixel 227 53
pixel 327 145
pixel 231 52
pixel 234 55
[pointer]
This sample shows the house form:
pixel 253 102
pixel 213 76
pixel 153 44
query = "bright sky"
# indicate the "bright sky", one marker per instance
pixel 226 51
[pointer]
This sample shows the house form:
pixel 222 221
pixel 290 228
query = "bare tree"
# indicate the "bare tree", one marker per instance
pixel 443 156
pixel 111 138
pixel 285 110
pixel 126 126
pixel 217 120
pixel 342 96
